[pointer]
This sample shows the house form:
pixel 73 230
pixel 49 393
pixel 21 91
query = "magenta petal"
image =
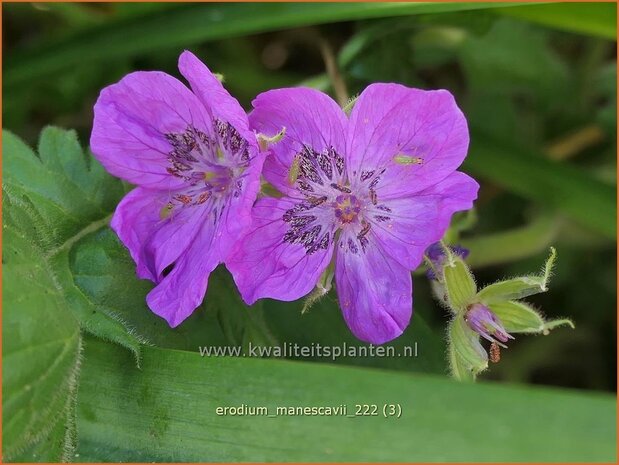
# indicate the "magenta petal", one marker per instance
pixel 215 98
pixel 174 236
pixel 131 119
pixel 375 294
pixel 311 118
pixel 390 120
pixel 221 105
pixel 420 220
pixel 263 265
pixel 237 217
pixel 154 243
pixel 179 293
pixel 134 221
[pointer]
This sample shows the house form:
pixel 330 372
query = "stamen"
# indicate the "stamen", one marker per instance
pixel 315 201
pixel 203 197
pixel 407 159
pixel 264 140
pixel 365 175
pixel 293 174
pixel 341 188
pixel 166 211
pixel 219 152
pixel 352 246
pixel 373 197
pixel 183 198
pixel 208 164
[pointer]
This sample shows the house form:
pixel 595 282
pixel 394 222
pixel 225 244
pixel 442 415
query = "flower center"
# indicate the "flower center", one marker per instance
pixel 336 206
pixel 347 208
pixel 217 178
pixel 210 164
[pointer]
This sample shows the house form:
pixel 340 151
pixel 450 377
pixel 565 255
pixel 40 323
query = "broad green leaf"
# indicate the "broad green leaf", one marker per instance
pixel 459 284
pixel 518 317
pixel 599 19
pixel 192 24
pixel 60 442
pixel 41 338
pixel 105 273
pixel 69 196
pixel 517 288
pixel 566 188
pixel 467 356
pixel 166 411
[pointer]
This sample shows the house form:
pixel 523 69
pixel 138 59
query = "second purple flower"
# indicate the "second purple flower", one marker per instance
pixel 365 195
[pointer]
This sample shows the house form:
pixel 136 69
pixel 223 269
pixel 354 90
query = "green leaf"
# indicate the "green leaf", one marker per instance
pixel 50 202
pixel 566 188
pixel 187 25
pixel 517 288
pixel 598 19
pixel 166 411
pixel 67 196
pixel 41 339
pixel 459 284
pixel 105 273
pixel 466 355
pixel 518 317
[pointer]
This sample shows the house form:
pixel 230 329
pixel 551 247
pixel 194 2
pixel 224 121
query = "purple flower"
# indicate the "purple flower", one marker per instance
pixel 484 322
pixel 197 166
pixel 436 255
pixel 370 192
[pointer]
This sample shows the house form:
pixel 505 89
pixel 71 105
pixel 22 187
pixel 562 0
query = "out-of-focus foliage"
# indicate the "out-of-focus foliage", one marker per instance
pixel 538 86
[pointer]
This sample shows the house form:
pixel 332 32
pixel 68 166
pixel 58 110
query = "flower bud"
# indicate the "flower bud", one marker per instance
pixel 264 140
pixel 436 256
pixel 484 322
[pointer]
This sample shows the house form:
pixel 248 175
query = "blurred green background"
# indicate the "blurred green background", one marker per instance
pixel 547 93
pixel 536 82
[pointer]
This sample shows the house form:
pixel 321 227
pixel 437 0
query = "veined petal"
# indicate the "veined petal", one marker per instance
pixel 311 119
pixel 131 120
pixel 154 242
pixel 425 130
pixel 375 294
pixel 415 222
pixel 263 264
pixel 134 221
pixel 180 292
pixel 174 237
pixel 237 216
pixel 215 98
